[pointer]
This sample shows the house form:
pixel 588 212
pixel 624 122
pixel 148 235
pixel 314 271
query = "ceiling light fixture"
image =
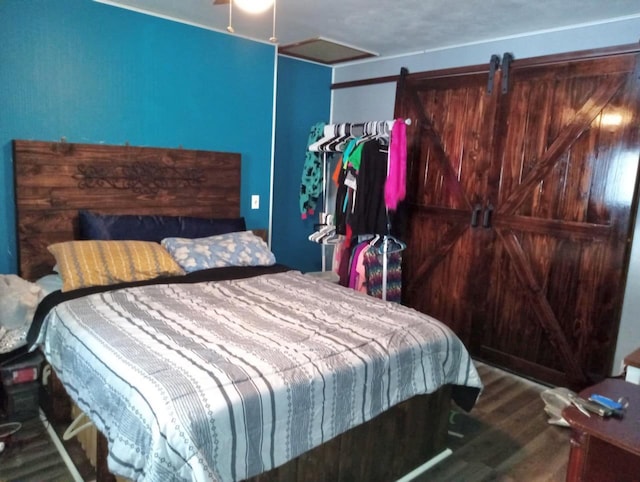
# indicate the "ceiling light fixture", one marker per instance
pixel 253 7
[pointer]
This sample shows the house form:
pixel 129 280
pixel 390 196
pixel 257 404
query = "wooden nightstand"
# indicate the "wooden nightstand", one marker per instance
pixel 605 449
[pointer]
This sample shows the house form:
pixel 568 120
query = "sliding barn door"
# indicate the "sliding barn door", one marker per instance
pixel 449 159
pixel 521 203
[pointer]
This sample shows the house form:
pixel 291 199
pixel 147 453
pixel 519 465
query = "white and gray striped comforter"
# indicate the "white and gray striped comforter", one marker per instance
pixel 224 380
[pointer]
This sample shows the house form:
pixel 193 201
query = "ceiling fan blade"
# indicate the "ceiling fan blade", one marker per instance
pixel 221 2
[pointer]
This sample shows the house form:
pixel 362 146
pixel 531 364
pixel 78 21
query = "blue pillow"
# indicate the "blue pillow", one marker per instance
pixel 94 226
pixel 231 249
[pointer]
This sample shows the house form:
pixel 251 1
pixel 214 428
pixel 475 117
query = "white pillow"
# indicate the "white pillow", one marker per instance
pixel 242 248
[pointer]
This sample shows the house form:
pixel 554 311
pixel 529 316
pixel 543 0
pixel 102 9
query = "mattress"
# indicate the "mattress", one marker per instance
pixel 222 380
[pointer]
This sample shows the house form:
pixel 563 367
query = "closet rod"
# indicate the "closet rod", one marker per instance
pixel 334 134
pixel 363 124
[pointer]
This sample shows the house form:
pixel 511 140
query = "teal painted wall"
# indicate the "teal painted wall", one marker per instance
pixel 303 99
pixel 94 73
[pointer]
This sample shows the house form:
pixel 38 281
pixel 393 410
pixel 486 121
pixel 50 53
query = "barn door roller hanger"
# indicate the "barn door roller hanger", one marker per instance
pixel 496 63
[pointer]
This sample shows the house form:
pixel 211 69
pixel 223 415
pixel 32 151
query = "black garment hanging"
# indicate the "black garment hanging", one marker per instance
pixel 363 208
pixel 369 213
pixel 342 202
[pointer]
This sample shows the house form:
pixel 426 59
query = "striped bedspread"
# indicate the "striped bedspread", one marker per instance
pixel 224 380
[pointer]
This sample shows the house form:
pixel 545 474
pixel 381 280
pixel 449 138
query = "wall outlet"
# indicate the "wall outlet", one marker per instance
pixel 255 201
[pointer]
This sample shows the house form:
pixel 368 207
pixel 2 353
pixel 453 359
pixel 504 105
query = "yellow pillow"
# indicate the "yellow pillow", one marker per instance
pixel 98 263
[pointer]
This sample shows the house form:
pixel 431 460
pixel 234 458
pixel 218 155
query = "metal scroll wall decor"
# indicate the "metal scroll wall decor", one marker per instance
pixel 142 178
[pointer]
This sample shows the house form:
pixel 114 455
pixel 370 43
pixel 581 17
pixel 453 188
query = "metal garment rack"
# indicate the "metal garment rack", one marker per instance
pixel 325 209
pixel 335 137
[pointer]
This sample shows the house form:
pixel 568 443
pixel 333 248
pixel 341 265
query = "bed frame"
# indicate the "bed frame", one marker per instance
pixel 53 180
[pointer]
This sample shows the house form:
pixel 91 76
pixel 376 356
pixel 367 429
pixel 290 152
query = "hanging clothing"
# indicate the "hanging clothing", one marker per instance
pixel 374 271
pixel 311 183
pixel 360 193
pixel 369 213
pixel 344 199
pixel 357 273
pixel 336 172
pixel 369 178
pixel 395 186
pixel 353 155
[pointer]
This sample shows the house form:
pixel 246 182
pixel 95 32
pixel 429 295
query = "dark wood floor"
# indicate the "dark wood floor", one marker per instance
pixel 507 437
pixel 30 455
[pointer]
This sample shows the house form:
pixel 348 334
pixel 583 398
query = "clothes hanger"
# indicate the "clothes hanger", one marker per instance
pixel 337 133
pixel 327 134
pixel 368 133
pixel 332 237
pixel 317 236
pixel 338 144
pixel 391 244
pixel 383 132
pixel 357 130
pixel 375 130
pixel 324 230
pixel 374 240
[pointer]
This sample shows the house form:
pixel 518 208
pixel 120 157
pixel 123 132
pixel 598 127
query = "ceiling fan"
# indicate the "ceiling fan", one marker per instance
pixel 253 7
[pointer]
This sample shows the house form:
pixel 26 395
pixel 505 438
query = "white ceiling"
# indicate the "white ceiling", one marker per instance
pixel 392 27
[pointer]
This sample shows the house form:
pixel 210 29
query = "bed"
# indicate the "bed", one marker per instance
pixel 257 373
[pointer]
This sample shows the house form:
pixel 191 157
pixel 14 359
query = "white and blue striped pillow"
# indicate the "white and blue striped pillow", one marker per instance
pixel 241 248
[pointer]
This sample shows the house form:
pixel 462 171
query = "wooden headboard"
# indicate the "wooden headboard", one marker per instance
pixel 54 180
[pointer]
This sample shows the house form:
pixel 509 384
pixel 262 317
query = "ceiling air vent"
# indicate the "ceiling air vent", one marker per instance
pixel 324 51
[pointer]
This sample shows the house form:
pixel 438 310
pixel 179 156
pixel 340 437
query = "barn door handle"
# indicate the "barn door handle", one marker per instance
pixel 475 214
pixel 486 219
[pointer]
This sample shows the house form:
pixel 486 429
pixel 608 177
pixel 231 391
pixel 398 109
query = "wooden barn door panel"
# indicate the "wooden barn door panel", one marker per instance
pixel 561 180
pixel 552 164
pixel 449 159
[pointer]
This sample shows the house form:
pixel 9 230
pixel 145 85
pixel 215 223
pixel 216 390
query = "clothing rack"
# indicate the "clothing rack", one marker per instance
pixel 334 140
